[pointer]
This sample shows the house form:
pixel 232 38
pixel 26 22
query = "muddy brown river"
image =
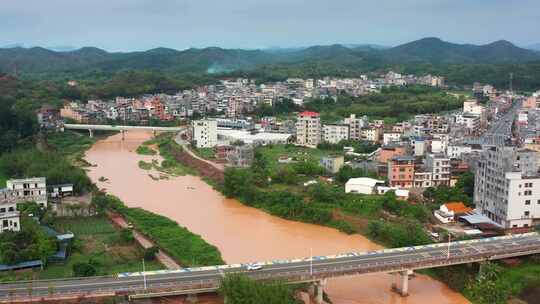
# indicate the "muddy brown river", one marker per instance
pixel 245 234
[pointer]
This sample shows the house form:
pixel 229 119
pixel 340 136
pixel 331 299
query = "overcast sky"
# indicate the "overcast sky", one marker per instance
pixel 144 24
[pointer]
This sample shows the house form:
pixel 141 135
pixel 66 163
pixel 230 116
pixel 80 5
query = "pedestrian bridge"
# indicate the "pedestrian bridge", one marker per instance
pixel 119 128
pixel 400 262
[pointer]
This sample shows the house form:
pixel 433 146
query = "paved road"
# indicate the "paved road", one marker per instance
pixel 501 129
pixel 382 261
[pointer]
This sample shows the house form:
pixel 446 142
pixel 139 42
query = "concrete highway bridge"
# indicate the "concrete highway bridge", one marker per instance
pixel 400 262
pixel 122 129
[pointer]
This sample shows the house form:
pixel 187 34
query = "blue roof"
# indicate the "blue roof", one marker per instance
pixel 27 264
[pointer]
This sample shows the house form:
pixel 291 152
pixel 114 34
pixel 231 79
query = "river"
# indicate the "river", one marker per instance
pixel 245 234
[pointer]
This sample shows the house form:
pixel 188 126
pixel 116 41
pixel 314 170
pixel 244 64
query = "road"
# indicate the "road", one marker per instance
pixel 121 128
pixel 501 129
pixel 300 270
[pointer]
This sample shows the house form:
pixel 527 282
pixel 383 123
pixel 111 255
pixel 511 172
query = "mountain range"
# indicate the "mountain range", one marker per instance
pixel 213 59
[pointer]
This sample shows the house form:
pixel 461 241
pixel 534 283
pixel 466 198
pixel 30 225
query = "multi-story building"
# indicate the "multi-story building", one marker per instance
pixel 439 167
pixel 418 145
pixel 507 186
pixel 372 134
pixel 401 171
pixel 334 133
pixel 28 189
pixel 355 126
pixel 308 129
pixel 333 163
pixel 389 137
pixel 9 216
pixel 204 133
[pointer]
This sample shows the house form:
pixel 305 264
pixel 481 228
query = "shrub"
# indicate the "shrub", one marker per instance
pixel 84 270
pixel 150 253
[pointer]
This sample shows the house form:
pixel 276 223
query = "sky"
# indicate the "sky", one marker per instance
pixel 128 25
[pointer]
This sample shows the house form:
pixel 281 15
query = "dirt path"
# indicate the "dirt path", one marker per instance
pixel 162 257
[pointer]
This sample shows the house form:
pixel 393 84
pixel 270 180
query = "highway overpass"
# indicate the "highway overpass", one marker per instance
pixel 399 261
pixel 122 129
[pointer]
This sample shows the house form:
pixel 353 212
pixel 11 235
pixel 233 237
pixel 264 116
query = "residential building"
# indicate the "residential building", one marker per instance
pixel 439 167
pixel 372 134
pixel 419 145
pixel 386 152
pixel 9 216
pixel 28 189
pixel 401 171
pixel 204 133
pixel 334 133
pixel 389 137
pixel 355 126
pixel 308 129
pixel 332 163
pixel 507 186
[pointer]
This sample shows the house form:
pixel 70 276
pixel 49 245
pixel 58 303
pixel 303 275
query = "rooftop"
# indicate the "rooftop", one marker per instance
pixel 308 114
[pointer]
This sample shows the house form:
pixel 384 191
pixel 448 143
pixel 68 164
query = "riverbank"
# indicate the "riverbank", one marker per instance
pixel 244 234
pixel 326 204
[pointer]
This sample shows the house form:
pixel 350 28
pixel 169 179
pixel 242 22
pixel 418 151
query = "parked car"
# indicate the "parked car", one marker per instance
pixel 254 266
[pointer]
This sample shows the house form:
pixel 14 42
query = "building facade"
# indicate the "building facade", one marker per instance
pixel 401 172
pixel 507 186
pixel 204 133
pixel 334 133
pixel 308 129
pixel 28 189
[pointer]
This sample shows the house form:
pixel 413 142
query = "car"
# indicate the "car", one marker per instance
pixel 255 266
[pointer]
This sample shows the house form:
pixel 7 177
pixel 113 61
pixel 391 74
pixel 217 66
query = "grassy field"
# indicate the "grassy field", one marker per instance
pixel 97 242
pixel 206 153
pixel 273 152
pixel 145 150
pixel 72 145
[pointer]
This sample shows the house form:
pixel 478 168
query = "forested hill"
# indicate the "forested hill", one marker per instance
pixel 460 63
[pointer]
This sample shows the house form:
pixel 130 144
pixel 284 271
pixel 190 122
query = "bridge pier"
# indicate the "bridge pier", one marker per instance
pixel 91 133
pixel 401 284
pixel 319 299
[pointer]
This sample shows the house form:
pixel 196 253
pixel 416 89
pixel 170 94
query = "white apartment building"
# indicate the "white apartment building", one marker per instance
pixel 507 186
pixel 455 151
pixel 9 216
pixel 28 189
pixel 334 133
pixel 389 137
pixel 204 133
pixel 418 145
pixel 355 126
pixel 439 167
pixel 308 129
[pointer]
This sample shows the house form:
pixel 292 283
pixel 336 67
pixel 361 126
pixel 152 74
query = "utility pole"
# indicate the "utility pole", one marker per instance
pixel 144 274
pixel 449 236
pixel 311 262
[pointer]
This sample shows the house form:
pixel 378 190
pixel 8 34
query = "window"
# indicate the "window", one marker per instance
pixel 527 192
pixel 527 213
pixel 527 202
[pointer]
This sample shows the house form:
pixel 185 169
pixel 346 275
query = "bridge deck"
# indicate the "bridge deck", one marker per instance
pixel 298 270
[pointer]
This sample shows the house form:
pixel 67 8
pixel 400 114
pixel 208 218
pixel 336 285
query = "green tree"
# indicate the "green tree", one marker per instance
pixel 84 270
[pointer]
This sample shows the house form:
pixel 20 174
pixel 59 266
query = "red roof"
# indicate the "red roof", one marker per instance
pixel 310 114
